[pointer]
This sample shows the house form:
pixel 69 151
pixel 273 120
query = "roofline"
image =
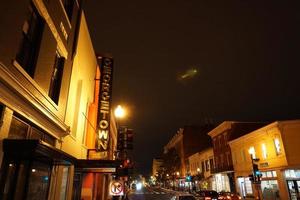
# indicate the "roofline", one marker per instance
pixel 226 125
pixel 267 127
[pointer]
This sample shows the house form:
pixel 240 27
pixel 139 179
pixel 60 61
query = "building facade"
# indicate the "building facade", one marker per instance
pixel 184 143
pixel 275 145
pixel 48 72
pixel 200 166
pixel 157 166
pixel 221 135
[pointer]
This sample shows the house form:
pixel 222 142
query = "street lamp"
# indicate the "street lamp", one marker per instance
pixel 120 112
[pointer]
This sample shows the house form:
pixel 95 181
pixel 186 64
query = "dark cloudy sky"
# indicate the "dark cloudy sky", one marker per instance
pixel 247 54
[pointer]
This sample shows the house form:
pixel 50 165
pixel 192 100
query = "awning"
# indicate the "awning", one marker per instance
pixel 97 166
pixel 15 149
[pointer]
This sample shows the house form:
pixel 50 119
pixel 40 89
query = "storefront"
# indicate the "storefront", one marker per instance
pixel 31 170
pixel 93 178
pixel 221 182
pixel 293 183
pixel 269 185
pixel 245 186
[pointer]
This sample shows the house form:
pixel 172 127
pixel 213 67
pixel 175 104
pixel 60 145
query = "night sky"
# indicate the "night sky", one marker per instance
pixel 246 54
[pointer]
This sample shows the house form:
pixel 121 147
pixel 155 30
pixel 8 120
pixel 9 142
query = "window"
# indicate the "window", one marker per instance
pixel 56 77
pixel 202 166
pixel 277 146
pixel 211 163
pixel 22 130
pixel 39 181
pixel 215 143
pixel 68 5
pixel 31 38
pixel 264 151
pixel 252 152
pixel 207 165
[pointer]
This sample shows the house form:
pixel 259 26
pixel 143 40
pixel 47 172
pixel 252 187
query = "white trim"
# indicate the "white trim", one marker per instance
pixel 16 96
pixel 44 12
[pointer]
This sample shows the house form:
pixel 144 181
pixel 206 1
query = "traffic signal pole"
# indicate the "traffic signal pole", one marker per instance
pixel 256 178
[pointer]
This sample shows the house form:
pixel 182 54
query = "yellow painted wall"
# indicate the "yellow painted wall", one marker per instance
pixel 291 139
pixel 81 93
pixel 242 159
pixel 197 158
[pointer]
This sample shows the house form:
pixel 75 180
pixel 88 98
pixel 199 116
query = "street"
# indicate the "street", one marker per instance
pixel 150 193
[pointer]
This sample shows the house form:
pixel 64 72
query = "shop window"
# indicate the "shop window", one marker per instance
pixel 39 181
pixel 269 174
pixel 64 183
pixel 264 151
pixel 248 186
pixel 270 189
pixel 56 77
pixel 292 173
pixel 31 38
pixel 277 146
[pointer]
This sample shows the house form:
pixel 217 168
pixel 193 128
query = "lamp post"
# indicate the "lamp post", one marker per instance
pixel 120 113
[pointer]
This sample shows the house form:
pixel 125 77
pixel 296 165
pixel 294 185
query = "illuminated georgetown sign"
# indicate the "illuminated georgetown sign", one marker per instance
pixel 103 126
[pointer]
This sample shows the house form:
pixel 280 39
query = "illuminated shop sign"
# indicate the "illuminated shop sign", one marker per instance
pixel 103 127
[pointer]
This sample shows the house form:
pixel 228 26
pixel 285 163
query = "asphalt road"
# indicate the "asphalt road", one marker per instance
pixel 150 193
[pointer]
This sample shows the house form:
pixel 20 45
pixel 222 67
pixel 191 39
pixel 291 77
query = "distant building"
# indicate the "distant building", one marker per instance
pixel 186 142
pixel 223 172
pixel 200 166
pixel 157 166
pixel 277 147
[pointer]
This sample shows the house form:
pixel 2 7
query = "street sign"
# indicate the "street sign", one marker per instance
pixel 116 188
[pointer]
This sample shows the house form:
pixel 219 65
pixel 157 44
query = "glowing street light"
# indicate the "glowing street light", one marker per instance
pixel 120 112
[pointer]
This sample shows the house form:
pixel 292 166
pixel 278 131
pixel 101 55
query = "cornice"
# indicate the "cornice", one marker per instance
pixel 16 96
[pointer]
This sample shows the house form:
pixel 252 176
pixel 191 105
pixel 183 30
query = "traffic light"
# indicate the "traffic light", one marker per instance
pixel 255 169
pixel 256 173
pixel 188 178
pixel 128 139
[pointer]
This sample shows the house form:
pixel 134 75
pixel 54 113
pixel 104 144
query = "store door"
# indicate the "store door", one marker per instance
pixel 294 189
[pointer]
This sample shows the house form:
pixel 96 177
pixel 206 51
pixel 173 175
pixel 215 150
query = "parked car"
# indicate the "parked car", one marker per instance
pixel 181 196
pixel 207 195
pixel 229 196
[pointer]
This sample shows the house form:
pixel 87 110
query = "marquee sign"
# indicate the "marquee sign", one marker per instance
pixel 104 105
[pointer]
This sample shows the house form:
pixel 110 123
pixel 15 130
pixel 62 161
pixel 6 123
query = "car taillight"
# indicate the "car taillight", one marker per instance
pixel 207 198
pixel 240 197
pixel 228 197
